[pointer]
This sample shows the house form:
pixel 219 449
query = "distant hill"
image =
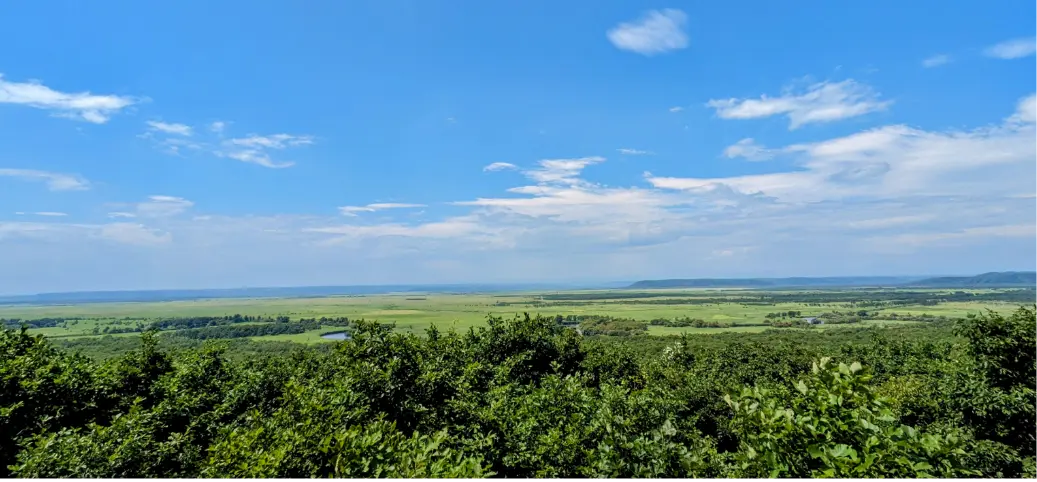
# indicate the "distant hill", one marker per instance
pixel 799 282
pixel 1007 279
pixel 1004 279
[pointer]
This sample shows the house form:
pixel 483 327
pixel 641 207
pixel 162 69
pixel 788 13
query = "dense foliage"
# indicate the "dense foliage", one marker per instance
pixel 529 397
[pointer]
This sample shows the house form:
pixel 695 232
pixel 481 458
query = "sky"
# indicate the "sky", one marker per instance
pixel 199 144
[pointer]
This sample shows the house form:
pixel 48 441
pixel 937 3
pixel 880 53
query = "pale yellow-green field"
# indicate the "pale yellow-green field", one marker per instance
pixel 413 313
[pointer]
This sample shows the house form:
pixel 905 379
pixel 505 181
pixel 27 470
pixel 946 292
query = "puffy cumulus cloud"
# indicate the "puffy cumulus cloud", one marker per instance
pixel 656 32
pixel 85 106
pixel 55 181
pixel 894 161
pixel 820 102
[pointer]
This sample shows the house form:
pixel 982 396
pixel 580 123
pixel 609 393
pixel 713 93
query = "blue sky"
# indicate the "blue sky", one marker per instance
pixel 202 144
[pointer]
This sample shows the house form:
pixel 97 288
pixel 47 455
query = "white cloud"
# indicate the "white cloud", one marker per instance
pixel 55 181
pixel 50 213
pixel 253 148
pixel 162 206
pixel 654 33
pixel 676 109
pixel 1013 49
pixel 352 210
pixel 634 152
pixel 821 102
pixel 936 61
pixel 254 156
pixel 170 128
pixel 499 166
pixel 1025 111
pixel 120 214
pixel 895 161
pixel 888 200
pixel 748 148
pixel 276 141
pixel 443 229
pixel 563 171
pixel 92 108
pixel 121 233
pixel 135 234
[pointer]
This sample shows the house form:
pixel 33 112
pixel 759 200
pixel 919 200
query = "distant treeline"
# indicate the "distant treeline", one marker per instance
pixel 199 327
pixel 13 323
pixel 247 331
pixel 605 325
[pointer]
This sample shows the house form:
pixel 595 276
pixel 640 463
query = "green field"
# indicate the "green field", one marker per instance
pixel 413 313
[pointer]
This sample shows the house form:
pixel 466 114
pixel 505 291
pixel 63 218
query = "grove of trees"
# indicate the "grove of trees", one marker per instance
pixel 529 397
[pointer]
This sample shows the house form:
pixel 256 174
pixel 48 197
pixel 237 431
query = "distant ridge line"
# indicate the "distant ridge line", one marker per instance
pixel 1005 279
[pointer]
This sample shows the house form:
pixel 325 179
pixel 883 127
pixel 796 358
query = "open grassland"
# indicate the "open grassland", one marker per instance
pixel 413 313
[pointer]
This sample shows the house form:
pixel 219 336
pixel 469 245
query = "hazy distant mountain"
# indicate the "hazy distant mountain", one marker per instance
pixel 986 280
pixel 1005 279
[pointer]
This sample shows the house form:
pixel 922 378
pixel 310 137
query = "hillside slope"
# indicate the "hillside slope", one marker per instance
pixel 985 280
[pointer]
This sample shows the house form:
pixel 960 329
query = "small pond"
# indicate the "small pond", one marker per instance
pixel 336 336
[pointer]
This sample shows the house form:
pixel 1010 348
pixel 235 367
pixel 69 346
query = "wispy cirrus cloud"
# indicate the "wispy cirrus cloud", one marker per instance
pixel 656 32
pixel 748 148
pixel 561 171
pixel 499 166
pixel 55 181
pixel 1013 49
pixel 936 61
pixel 93 108
pixel 634 152
pixel 159 206
pixel 820 102
pixel 255 149
pixel 252 148
pixel 170 128
pixel 218 127
pixel 353 210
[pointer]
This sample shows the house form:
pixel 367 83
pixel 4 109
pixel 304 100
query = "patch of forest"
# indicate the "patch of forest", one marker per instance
pixel 529 397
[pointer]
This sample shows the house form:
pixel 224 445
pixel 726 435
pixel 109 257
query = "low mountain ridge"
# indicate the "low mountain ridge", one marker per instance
pixel 1003 279
pixel 1006 279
